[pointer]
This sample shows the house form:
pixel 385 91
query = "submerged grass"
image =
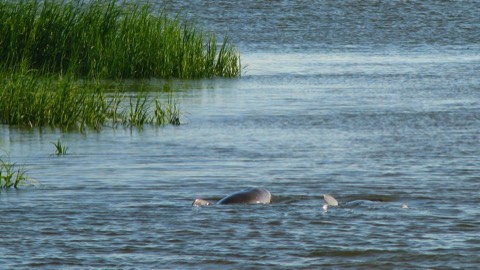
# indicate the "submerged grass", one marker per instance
pixel 108 39
pixel 66 103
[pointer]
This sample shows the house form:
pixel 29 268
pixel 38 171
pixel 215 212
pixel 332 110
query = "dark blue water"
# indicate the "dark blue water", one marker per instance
pixel 374 102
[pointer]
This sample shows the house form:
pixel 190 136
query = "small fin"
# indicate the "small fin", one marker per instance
pixel 201 202
pixel 330 200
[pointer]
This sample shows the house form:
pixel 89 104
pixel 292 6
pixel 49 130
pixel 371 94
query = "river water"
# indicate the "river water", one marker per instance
pixel 374 102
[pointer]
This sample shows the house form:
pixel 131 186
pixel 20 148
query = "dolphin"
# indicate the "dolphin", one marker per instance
pixel 329 201
pixel 245 196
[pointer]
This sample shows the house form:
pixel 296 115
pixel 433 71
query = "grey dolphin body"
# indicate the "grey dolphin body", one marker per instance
pixel 246 196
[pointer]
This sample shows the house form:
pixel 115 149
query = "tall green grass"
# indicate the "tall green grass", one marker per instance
pixel 66 103
pixel 108 39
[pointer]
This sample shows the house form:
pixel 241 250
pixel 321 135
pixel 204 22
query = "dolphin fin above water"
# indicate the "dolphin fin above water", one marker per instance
pixel 330 200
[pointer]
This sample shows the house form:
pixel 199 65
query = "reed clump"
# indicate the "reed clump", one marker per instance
pixel 10 174
pixel 66 103
pixel 60 149
pixel 108 39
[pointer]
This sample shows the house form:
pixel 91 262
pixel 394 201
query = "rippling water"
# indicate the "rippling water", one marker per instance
pixel 376 103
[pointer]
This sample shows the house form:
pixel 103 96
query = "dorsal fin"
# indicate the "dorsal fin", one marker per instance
pixel 330 200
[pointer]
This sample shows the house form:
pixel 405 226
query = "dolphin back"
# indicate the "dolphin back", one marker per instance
pixel 249 195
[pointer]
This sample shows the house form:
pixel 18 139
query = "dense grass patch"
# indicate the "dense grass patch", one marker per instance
pixel 62 102
pixel 108 39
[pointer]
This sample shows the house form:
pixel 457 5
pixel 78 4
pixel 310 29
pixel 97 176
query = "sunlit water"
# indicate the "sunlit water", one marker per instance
pixel 375 103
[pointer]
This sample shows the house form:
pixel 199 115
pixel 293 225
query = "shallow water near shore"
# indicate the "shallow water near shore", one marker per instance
pixel 376 115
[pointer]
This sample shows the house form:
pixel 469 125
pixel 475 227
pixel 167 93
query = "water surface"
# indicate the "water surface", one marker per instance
pixel 376 103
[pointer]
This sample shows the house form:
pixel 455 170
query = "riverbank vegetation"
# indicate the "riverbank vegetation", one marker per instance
pixel 55 56
pixel 66 103
pixel 108 39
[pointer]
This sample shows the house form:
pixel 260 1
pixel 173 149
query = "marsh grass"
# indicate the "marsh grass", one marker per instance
pixel 169 114
pixel 66 103
pixel 109 39
pixel 162 113
pixel 10 175
pixel 137 114
pixel 59 148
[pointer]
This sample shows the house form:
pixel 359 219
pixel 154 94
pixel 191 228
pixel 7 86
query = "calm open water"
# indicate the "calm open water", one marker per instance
pixel 374 102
